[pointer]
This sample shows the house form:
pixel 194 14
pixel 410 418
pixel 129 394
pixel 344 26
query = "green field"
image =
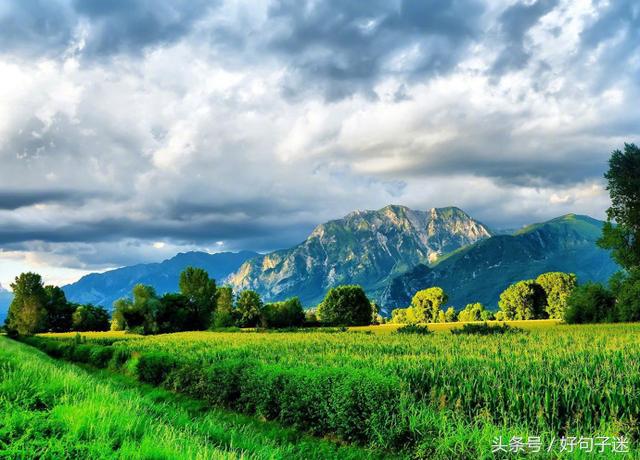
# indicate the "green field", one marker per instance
pixel 420 396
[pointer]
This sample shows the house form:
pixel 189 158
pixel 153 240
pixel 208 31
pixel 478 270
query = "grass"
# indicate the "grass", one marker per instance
pixel 438 395
pixel 53 410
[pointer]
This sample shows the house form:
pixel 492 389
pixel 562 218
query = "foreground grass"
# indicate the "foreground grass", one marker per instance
pixel 49 409
pixel 434 396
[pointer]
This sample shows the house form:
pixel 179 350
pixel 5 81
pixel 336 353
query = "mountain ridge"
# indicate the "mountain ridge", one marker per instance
pixel 104 288
pixel 364 247
pixel 481 271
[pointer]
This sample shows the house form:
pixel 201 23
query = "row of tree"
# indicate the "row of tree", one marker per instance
pixel 39 308
pixel 199 305
pixel 544 297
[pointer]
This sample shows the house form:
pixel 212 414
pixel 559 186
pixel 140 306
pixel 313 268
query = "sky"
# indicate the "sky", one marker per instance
pixel 131 130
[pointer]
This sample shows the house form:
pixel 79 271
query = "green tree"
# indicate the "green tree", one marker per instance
pixel 224 316
pixel 590 303
pixel 249 308
pixel 289 313
pixel 59 310
pixel 621 232
pixel 426 304
pixel 27 312
pixel 201 291
pixel 450 315
pixel 474 312
pixel 523 300
pixel 625 286
pixel 90 318
pixel 139 315
pixel 346 305
pixel 173 313
pixel 557 287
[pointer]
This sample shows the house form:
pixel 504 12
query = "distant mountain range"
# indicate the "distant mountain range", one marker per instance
pixel 364 247
pixel 104 288
pixel 480 272
pixel 392 252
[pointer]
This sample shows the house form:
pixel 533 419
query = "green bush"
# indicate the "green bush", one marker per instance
pixel 155 367
pixel 413 329
pixel 486 329
pixel 100 356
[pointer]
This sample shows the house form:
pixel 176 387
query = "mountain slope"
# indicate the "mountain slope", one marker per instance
pixel 480 272
pixel 364 247
pixel 104 288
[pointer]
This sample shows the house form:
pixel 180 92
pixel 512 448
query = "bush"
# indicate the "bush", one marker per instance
pixel 413 329
pixel 154 367
pixel 100 356
pixel 485 329
pixel 590 303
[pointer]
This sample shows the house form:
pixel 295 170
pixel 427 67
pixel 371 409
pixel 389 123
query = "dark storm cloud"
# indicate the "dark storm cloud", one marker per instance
pixel 32 27
pixel 514 24
pixel 126 26
pixel 48 27
pixel 14 199
pixel 344 48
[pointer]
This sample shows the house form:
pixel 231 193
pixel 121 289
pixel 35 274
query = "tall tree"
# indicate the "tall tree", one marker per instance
pixel 427 304
pixel 27 312
pixel 346 306
pixel 59 310
pixel 249 307
pixel 90 318
pixel 557 286
pixel 621 232
pixel 201 291
pixel 523 300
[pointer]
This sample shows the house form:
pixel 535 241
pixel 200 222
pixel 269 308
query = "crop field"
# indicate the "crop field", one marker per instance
pixel 54 410
pixel 438 395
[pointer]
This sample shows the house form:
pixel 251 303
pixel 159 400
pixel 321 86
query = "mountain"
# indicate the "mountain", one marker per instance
pixel 480 272
pixel 5 301
pixel 104 288
pixel 364 247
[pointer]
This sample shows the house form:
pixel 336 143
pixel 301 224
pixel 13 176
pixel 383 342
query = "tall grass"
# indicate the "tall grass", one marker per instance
pixel 54 410
pixel 437 394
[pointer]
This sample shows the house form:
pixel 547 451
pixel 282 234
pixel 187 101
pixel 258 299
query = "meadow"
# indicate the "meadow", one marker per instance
pixel 438 395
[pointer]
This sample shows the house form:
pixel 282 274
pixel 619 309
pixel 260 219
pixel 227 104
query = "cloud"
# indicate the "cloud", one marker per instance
pixel 128 124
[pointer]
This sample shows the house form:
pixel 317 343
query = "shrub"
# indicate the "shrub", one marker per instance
pixel 486 329
pixel 100 356
pixel 154 367
pixel 413 329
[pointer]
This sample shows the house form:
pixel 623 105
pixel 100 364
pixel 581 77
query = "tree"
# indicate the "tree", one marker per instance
pixel 90 318
pixel 201 291
pixel 59 310
pixel 27 312
pixel 557 287
pixel 426 304
pixel 474 312
pixel 523 300
pixel 590 303
pixel 346 305
pixel 139 315
pixel 224 316
pixel 450 315
pixel 625 286
pixel 173 313
pixel 399 316
pixel 621 232
pixel 249 308
pixel 289 313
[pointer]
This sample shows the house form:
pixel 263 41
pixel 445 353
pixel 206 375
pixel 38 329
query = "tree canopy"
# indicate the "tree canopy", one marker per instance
pixel 346 305
pixel 27 312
